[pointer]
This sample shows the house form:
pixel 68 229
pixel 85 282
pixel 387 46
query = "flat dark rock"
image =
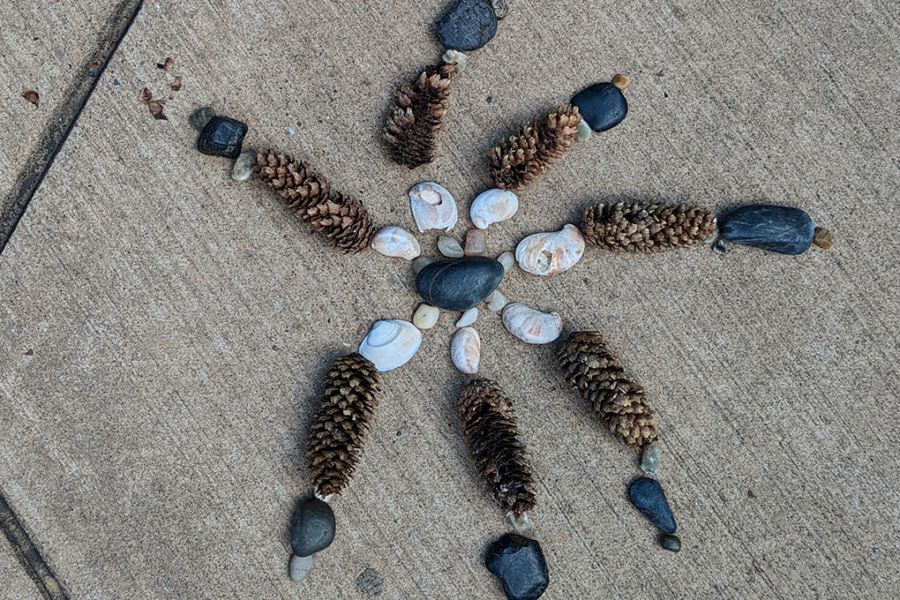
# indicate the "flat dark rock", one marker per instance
pixel 459 283
pixel 313 527
pixel 468 26
pixel 648 497
pixel 780 229
pixel 519 563
pixel 222 136
pixel 602 105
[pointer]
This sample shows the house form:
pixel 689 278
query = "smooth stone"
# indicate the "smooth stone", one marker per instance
pixel 672 543
pixel 467 318
pixel 468 26
pixel 459 283
pixel 420 262
pixel 519 563
pixel 476 242
pixel 648 497
pixel 507 259
pixel 200 117
pixel 242 168
pixel 777 228
pixel 313 528
pixel 496 301
pixel 602 105
pixel 300 566
pixel 650 460
pixel 583 131
pixel 222 136
pixel 501 9
pixel 426 316
pixel 449 247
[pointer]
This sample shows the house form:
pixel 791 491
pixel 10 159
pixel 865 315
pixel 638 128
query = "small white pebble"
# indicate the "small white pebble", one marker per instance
pixel 507 260
pixel 650 460
pixel 300 566
pixel 426 316
pixel 496 301
pixel 449 247
pixel 468 317
pixel 583 131
pixel 521 523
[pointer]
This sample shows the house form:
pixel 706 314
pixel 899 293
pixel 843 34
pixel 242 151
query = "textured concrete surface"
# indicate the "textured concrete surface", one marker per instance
pixel 166 329
pixel 16 584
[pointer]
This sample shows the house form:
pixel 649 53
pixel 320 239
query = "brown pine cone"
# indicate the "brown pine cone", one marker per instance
pixel 411 125
pixel 519 160
pixel 490 428
pixel 646 226
pixel 342 219
pixel 596 374
pixel 340 422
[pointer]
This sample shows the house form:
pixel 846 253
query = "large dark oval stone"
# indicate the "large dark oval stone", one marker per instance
pixel 468 26
pixel 648 497
pixel 313 527
pixel 602 105
pixel 777 228
pixel 459 283
pixel 519 563
pixel 222 136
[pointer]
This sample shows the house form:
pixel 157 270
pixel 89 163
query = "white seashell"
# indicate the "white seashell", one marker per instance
pixel 530 325
pixel 493 206
pixel 465 350
pixel 426 316
pixel 507 260
pixel 468 317
pixel 496 301
pixel 552 252
pixel 432 206
pixel 455 57
pixel 390 344
pixel 396 242
pixel 449 247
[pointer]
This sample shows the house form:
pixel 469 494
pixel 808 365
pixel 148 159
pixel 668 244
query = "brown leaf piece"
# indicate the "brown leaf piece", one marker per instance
pixel 646 226
pixel 156 109
pixel 340 422
pixel 500 457
pixel 166 65
pixel 594 372
pixel 342 219
pixel 517 161
pixel 145 96
pixel 176 85
pixel 31 96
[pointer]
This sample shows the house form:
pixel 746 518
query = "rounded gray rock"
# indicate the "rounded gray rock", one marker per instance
pixel 781 229
pixel 313 527
pixel 469 25
pixel 459 283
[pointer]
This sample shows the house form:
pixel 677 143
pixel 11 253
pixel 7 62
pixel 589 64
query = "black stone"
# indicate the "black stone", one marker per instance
pixel 459 283
pixel 648 497
pixel 602 105
pixel 468 26
pixel 313 527
pixel 519 563
pixel 222 136
pixel 672 543
pixel 777 228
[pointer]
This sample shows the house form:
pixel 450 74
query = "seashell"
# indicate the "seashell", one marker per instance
pixel 396 242
pixel 468 317
pixel 530 325
pixel 552 252
pixel 433 207
pixel 493 206
pixel 390 344
pixel 465 350
pixel 426 316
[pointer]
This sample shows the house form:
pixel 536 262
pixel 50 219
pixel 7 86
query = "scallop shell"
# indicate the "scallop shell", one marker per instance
pixel 390 344
pixel 433 207
pixel 552 252
pixel 493 206
pixel 530 325
pixel 396 242
pixel 465 350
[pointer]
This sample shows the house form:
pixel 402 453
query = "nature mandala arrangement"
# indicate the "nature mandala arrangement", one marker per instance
pixel 465 279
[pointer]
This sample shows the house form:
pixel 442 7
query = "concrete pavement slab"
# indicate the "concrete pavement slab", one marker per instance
pixel 16 584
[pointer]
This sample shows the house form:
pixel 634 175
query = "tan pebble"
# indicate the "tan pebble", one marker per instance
pixel 476 242
pixel 465 350
pixel 426 316
pixel 497 301
pixel 822 238
pixel 468 317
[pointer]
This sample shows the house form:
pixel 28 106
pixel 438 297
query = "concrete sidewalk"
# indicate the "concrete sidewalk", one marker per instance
pixel 165 329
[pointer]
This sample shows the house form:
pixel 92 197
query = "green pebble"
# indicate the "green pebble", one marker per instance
pixel 650 460
pixel 583 132
pixel 200 117
pixel 243 165
pixel 672 543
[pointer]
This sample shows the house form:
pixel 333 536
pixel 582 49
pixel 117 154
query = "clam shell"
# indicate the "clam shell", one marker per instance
pixel 390 344
pixel 493 206
pixel 552 252
pixel 530 325
pixel 465 350
pixel 396 242
pixel 433 207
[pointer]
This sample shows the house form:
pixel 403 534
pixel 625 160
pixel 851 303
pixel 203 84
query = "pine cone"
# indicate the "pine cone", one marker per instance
pixel 335 441
pixel 596 374
pixel 518 161
pixel 342 219
pixel 410 126
pixel 646 226
pixel 490 428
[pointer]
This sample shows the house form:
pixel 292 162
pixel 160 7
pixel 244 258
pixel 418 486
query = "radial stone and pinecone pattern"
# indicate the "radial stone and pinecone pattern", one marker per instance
pixel 490 428
pixel 335 442
pixel 415 118
pixel 646 226
pixel 342 219
pixel 596 374
pixel 519 160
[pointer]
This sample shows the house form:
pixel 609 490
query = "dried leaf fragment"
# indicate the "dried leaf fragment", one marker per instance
pixel 165 65
pixel 31 95
pixel 145 96
pixel 176 85
pixel 156 109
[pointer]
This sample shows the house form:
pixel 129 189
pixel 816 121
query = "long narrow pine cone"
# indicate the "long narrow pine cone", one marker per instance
pixel 519 160
pixel 596 374
pixel 415 118
pixel 342 219
pixel 490 428
pixel 646 226
pixel 340 422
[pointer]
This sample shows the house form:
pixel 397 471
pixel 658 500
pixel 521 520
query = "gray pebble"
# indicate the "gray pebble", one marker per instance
pixel 200 117
pixel 672 543
pixel 242 168
pixel 500 8
pixel 780 229
pixel 468 26
pixel 650 460
pixel 313 527
pixel 300 566
pixel 369 581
